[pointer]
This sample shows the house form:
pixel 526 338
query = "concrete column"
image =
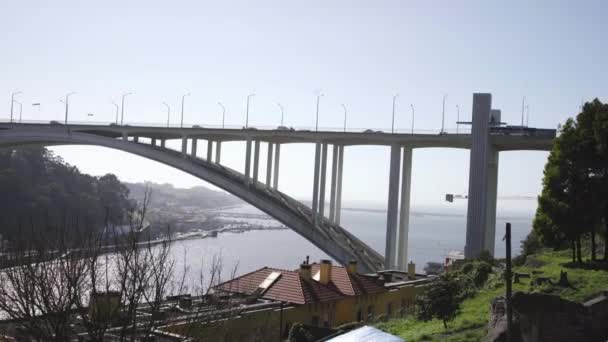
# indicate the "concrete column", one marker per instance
pixel 339 185
pixel 269 166
pixel 332 192
pixel 277 156
pixel 209 151
pixel 393 207
pixel 323 177
pixel 256 160
pixel 490 236
pixel 247 159
pixel 184 145
pixel 162 143
pixel 135 139
pixel 153 142
pixel 404 220
pixel 218 151
pixel 193 149
pixel 315 191
pixel 478 176
pixel 125 136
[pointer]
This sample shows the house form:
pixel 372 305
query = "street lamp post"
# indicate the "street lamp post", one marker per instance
pixel 168 113
pixel 523 104
pixel 122 108
pixel 457 118
pixel 223 112
pixel 182 120
pixel 413 112
pixel 344 107
pixel 20 109
pixel 393 122
pixel 443 114
pixel 13 101
pixel 67 101
pixel 247 110
pixel 117 109
pixel 527 115
pixel 282 112
pixel 317 121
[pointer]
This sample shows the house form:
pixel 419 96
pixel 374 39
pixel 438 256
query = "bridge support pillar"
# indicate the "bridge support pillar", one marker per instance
pixel 218 151
pixel 184 145
pixel 153 141
pixel 135 139
pixel 323 177
pixel 125 137
pixel 256 160
pixel 247 160
pixel 269 166
pixel 193 148
pixel 404 220
pixel 209 151
pixel 277 156
pixel 315 185
pixel 339 185
pixel 393 208
pixel 483 177
pixel 332 191
pixel 162 143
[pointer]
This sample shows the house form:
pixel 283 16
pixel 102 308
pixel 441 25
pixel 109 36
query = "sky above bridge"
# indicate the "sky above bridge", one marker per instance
pixel 357 53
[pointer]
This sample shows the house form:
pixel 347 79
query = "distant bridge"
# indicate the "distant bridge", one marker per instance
pixel 485 142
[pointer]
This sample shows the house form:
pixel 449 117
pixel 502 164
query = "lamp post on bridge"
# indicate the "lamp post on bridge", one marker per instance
pixel 527 115
pixel 13 101
pixel 282 112
pixel 182 120
pixel 443 114
pixel 247 110
pixel 457 118
pixel 317 121
pixel 223 112
pixel 393 122
pixel 122 108
pixel 344 107
pixel 117 108
pixel 413 113
pixel 523 105
pixel 66 102
pixel 20 109
pixel 168 113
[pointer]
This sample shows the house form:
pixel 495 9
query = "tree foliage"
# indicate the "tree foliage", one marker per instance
pixel 574 199
pixel 441 300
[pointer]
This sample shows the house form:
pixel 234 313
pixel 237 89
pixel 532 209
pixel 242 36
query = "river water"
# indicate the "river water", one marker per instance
pixel 434 231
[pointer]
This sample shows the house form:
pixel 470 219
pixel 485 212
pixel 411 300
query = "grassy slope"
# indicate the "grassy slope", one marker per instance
pixel 471 322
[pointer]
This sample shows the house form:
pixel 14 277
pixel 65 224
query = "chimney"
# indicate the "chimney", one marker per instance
pixel 305 271
pixel 325 272
pixel 352 267
pixel 411 270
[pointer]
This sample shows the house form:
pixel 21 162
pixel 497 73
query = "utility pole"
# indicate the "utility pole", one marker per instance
pixel 393 122
pixel 508 278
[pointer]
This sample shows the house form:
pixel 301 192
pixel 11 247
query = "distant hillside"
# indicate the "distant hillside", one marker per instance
pixel 166 196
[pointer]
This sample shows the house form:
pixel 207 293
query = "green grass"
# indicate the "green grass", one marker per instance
pixel 471 322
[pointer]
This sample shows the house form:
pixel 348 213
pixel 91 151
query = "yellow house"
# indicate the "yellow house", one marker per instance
pixel 322 295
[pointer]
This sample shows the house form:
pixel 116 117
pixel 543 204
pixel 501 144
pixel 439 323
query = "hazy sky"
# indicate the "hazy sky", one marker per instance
pixel 359 53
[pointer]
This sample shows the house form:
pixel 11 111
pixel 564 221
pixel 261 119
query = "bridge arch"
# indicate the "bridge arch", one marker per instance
pixel 330 238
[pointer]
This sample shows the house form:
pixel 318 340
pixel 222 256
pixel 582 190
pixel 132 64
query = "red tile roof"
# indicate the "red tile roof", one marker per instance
pixel 290 287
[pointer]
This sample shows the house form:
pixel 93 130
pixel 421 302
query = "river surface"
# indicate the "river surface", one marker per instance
pixel 434 231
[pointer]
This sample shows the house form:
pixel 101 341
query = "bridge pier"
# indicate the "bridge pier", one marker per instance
pixel 218 151
pixel 247 160
pixel 332 191
pixel 277 155
pixel 125 136
pixel 393 208
pixel 483 180
pixel 162 143
pixel 404 220
pixel 269 166
pixel 256 160
pixel 209 150
pixel 315 186
pixel 339 185
pixel 193 148
pixel 184 145
pixel 323 177
pixel 135 139
pixel 153 141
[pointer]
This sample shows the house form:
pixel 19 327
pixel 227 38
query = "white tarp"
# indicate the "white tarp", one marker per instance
pixel 366 334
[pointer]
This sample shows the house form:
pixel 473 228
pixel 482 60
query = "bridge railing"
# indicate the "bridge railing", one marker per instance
pixel 461 130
